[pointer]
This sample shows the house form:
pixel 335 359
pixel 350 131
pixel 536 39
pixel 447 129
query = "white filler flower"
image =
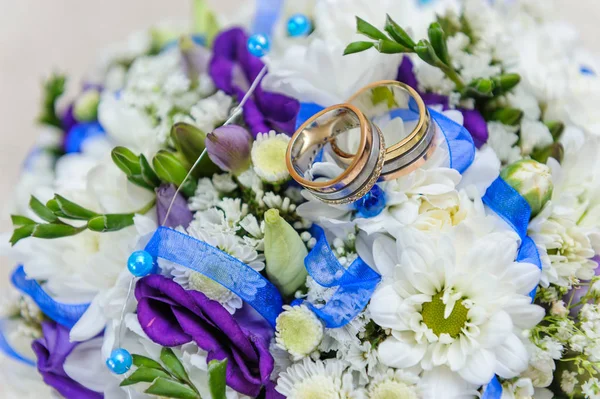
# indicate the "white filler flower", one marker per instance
pixel 298 331
pixel 317 380
pixel 457 300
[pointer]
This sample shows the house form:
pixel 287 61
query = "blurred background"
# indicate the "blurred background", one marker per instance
pixel 38 37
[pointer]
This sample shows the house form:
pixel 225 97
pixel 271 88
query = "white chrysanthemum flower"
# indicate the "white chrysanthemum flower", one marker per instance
pixel 503 140
pixel 567 251
pixel 394 384
pixel 317 380
pixel 192 280
pixel 230 243
pixel 205 197
pixel 362 359
pixel 534 135
pixel 298 331
pixel 456 300
pixel 268 156
pixel 212 111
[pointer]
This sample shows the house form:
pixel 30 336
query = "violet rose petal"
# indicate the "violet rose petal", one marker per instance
pixel 406 73
pixel 51 351
pixel 476 125
pixel 180 213
pixel 164 305
pixel 263 111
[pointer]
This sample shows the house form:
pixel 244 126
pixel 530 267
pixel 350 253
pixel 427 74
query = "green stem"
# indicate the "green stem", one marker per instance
pixel 146 207
pixel 453 76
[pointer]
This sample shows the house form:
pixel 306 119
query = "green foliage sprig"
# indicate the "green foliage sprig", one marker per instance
pixel 53 88
pixel 170 379
pixel 434 51
pixel 61 208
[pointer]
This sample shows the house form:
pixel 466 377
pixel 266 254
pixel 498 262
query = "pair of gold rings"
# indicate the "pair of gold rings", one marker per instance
pixel 340 153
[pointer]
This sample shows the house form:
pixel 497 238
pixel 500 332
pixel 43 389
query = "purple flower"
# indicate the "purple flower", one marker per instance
pixel 233 69
pixel 574 296
pixel 195 57
pixel 52 351
pixel 172 316
pixel 180 213
pixel 229 148
pixel 473 120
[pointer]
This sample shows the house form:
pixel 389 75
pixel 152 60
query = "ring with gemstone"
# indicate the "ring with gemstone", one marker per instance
pixel 396 109
pixel 317 166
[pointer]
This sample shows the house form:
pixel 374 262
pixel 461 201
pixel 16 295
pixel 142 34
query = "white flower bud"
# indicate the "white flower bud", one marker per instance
pixel 532 180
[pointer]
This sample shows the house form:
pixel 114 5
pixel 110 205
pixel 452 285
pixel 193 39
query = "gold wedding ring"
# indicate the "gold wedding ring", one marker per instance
pixel 340 153
pixel 355 176
pixel 381 101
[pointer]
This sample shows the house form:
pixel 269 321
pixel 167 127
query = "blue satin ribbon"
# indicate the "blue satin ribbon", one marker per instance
pixel 62 313
pixel 493 390
pixel 355 284
pixel 231 273
pixel 267 14
pixel 8 350
pixel 507 203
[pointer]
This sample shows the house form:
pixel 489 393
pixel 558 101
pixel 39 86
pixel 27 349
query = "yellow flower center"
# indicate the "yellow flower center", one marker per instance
pixel 433 317
pixel 270 156
pixel 318 387
pixel 299 331
pixel 208 287
pixel 391 389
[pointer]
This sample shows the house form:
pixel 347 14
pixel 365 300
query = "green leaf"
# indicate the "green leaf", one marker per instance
pixel 21 232
pixel 71 210
pixel 390 47
pixel 110 222
pixel 437 37
pixel 217 371
pixel 480 88
pixel 357 47
pixel 173 364
pixel 425 51
pixel 50 231
pixel 126 160
pixel 190 143
pixel 147 173
pixel 144 374
pixel 53 88
pixel 506 82
pixel 397 33
pixel 18 220
pixel 556 129
pixel 171 389
pixel 555 150
pixel 169 168
pixel 143 361
pixel 508 116
pixel 365 28
pixel 41 210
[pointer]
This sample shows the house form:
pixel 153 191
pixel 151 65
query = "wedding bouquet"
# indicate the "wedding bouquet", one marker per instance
pixel 173 239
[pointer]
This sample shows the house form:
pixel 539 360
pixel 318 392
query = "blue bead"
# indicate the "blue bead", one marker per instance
pixel 120 361
pixel 140 264
pixel 259 45
pixel 587 71
pixel 80 133
pixel 299 25
pixel 372 204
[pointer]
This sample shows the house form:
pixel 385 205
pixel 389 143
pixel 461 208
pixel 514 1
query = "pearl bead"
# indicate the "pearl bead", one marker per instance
pixel 372 204
pixel 259 45
pixel 120 361
pixel 299 25
pixel 140 264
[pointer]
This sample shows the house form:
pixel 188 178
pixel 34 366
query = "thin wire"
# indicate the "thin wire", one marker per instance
pixel 122 318
pixel 234 115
